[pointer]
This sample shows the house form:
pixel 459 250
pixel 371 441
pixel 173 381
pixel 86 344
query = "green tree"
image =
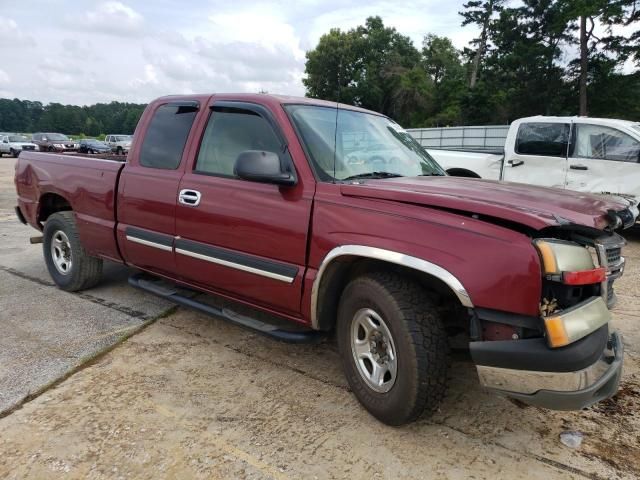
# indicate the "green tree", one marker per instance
pixel 443 64
pixel 587 14
pixel 371 66
pixel 480 13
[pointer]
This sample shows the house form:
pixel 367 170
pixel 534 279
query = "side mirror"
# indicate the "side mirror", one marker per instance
pixel 263 167
pixel 5 141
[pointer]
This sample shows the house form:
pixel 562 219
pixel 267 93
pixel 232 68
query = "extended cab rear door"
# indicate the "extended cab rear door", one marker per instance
pixel 244 239
pixel 604 159
pixel 148 187
pixel 536 153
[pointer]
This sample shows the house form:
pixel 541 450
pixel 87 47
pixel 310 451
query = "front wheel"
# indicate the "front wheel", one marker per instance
pixel 69 265
pixel 393 346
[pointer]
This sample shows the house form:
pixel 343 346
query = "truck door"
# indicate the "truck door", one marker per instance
pixel 603 160
pixel 236 237
pixel 149 187
pixel 538 154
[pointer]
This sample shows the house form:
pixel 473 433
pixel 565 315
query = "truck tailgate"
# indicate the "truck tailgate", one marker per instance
pixel 88 185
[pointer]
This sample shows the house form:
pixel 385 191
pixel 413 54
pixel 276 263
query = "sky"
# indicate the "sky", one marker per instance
pixel 88 51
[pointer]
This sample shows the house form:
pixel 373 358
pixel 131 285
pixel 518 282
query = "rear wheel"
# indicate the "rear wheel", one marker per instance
pixel 393 346
pixel 69 265
pixel 14 153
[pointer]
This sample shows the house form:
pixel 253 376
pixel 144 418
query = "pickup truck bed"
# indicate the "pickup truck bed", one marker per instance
pixel 89 184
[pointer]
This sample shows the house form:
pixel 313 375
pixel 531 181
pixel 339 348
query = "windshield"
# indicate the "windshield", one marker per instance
pixel 122 138
pixel 18 138
pixel 57 136
pixel 365 145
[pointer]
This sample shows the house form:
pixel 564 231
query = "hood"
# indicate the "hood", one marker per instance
pixel 535 207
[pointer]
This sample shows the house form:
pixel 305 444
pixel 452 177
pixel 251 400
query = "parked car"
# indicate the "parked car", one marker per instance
pixel 595 155
pixel 54 142
pixel 91 145
pixel 119 144
pixel 252 197
pixel 13 144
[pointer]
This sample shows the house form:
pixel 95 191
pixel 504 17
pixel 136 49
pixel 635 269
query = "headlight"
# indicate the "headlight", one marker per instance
pixel 560 256
pixel 577 322
pixel 572 264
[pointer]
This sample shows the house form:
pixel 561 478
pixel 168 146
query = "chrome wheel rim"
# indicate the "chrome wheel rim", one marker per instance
pixel 373 350
pixel 61 252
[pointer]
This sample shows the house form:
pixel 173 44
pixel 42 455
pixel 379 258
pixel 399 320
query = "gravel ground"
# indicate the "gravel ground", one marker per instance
pixel 192 396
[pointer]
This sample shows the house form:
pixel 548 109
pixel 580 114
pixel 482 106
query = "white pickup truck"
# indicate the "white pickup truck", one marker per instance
pixel 593 155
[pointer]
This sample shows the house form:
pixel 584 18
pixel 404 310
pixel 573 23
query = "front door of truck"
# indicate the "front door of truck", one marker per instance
pixel 149 186
pixel 237 237
pixel 539 155
pixel 604 160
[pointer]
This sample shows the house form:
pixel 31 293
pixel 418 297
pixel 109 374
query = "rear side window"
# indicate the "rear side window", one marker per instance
pixel 231 131
pixel 544 139
pixel 166 136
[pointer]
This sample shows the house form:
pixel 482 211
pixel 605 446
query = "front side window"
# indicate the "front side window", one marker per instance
pixel 346 144
pixel 231 131
pixel 543 139
pixel 167 135
pixel 18 138
pixel 605 143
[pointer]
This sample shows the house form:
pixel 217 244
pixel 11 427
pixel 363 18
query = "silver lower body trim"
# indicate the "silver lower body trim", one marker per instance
pixel 237 266
pixel 159 246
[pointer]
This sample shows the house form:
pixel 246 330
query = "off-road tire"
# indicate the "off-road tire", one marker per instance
pixel 420 340
pixel 86 271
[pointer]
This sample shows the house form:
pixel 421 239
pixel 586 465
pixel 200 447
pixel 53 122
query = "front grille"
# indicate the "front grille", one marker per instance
pixel 613 255
pixel 28 147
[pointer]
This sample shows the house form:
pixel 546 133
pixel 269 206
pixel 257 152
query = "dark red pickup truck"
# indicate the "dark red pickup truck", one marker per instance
pixel 334 218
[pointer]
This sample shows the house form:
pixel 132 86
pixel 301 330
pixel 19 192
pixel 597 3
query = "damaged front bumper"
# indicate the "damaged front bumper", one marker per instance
pixel 568 378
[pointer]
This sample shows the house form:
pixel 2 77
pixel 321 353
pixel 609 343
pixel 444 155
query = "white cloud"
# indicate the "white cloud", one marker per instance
pixel 13 36
pixel 4 78
pixel 113 18
pixel 100 50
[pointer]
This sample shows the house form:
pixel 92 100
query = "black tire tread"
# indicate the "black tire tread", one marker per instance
pixel 87 269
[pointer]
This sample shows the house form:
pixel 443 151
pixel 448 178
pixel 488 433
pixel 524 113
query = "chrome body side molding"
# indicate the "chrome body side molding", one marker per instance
pixel 386 256
pixel 149 243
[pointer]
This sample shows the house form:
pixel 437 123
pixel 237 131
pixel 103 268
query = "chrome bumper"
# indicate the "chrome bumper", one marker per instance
pixel 560 390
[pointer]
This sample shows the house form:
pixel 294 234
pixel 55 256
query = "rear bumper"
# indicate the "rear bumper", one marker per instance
pixel 553 385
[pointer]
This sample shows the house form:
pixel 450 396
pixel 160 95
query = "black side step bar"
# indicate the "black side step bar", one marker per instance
pixel 147 283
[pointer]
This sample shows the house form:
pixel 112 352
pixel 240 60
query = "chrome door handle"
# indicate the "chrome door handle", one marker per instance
pixel 189 197
pixel 515 163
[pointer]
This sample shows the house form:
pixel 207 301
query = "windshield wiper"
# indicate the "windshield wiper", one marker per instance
pixel 434 174
pixel 373 175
